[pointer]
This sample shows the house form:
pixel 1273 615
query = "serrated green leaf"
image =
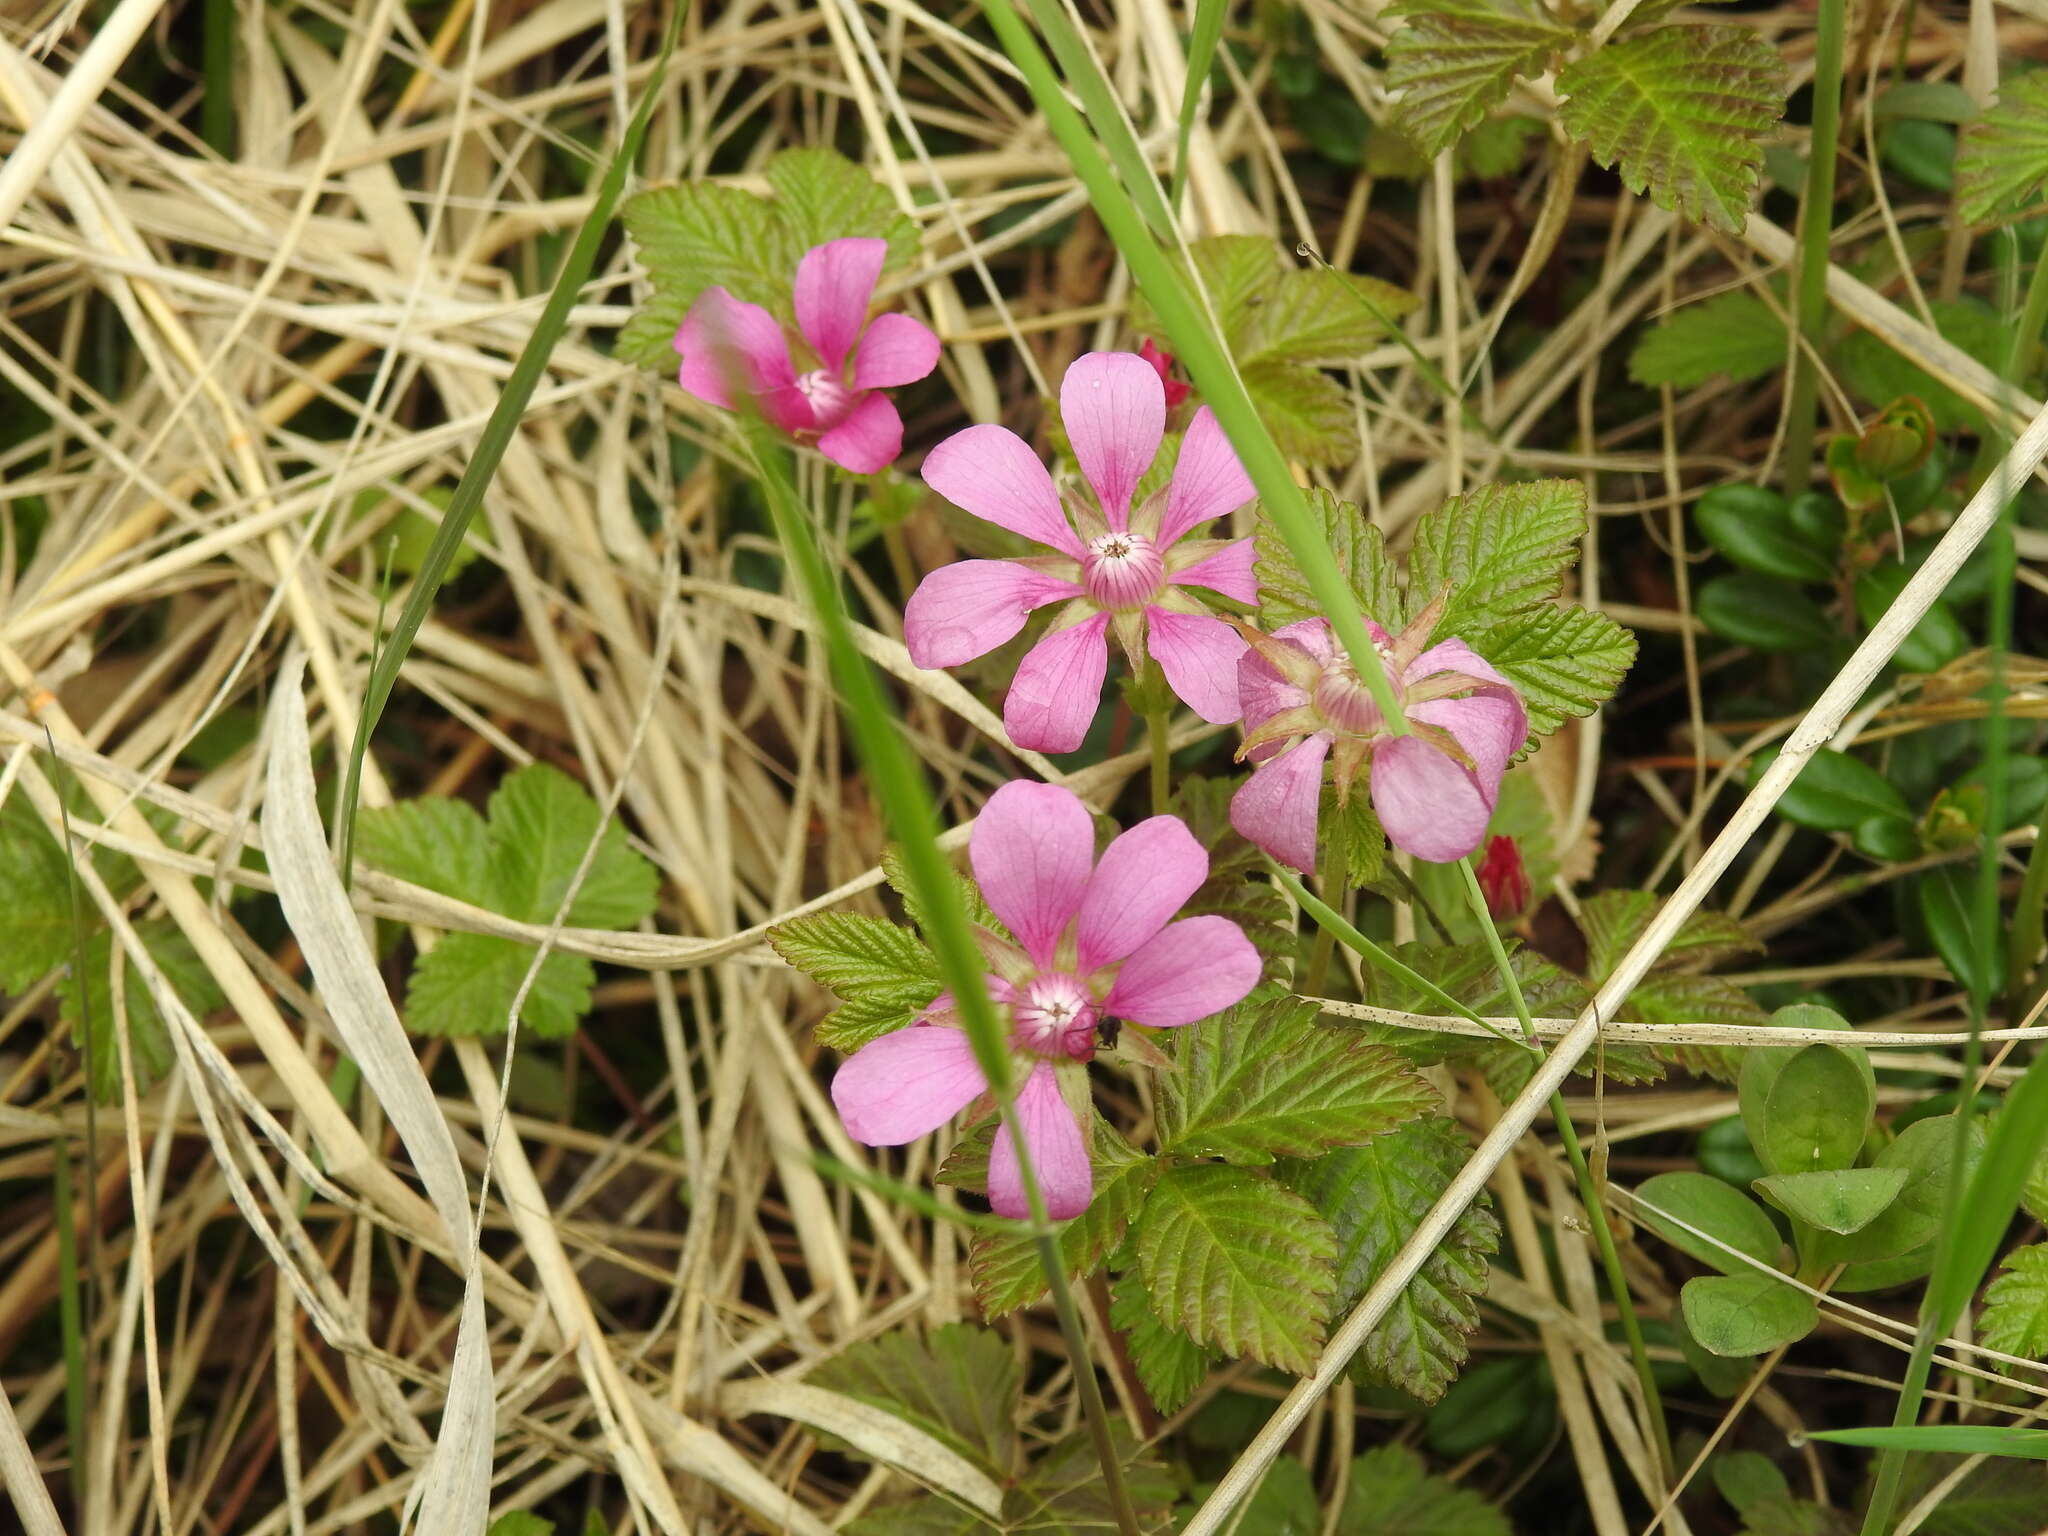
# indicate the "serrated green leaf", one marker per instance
pixel 1239 1262
pixel 1564 662
pixel 435 842
pixel 2002 161
pixel 1236 272
pixel 1373 1196
pixel 1680 112
pixel 2015 1316
pixel 2001 1498
pixel 1308 415
pixel 853 955
pixel 37 933
pixel 872 1015
pixel 1004 1265
pixel 1358 550
pixel 1064 1494
pixel 1284 1503
pixel 821 195
pixel 1688 997
pixel 90 1010
pixel 1500 550
pixel 1736 335
pixel 702 236
pixel 1497 147
pixel 1323 316
pixel 1353 837
pixel 648 337
pixel 1794 1517
pixel 1456 60
pixel 1266 1080
pixel 1391 1492
pixel 540 822
pixel 466 985
pixel 959 1386
pixel 1169 1363
pixel 969 893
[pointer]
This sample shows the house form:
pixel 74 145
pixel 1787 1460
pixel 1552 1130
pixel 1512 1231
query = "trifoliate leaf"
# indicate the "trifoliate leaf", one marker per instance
pixel 435 842
pixel 1392 1493
pixel 1563 661
pixel 856 955
pixel 1238 1262
pixel 1456 60
pixel 1736 335
pixel 1680 112
pixel 1170 1364
pixel 1309 416
pixel 467 984
pixel 540 822
pixel 1356 548
pixel 85 1001
pixel 2015 1316
pixel 2002 162
pixel 1267 1080
pixel 959 1386
pixel 1499 550
pixel 1373 1196
pixel 821 195
pixel 1004 1265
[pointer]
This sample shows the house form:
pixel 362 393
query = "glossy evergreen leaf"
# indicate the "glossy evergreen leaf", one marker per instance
pixel 1806 1108
pixel 1877 374
pixel 1737 1316
pixel 1679 1206
pixel 1946 898
pixel 1373 1196
pixel 1834 792
pixel 1752 526
pixel 1680 112
pixel 1455 60
pixel 1839 1200
pixel 1238 1262
pixel 1267 1080
pixel 1938 639
pixel 1766 613
pixel 1899 1245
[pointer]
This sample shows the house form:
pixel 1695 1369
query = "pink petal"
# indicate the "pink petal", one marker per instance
pixel 1199 656
pixel 1143 878
pixel 1228 571
pixel 906 1084
pixel 1059 1154
pixel 1053 698
pixel 1114 409
pixel 1316 637
pixel 1208 480
pixel 991 472
pixel 967 609
pixel 1430 806
pixel 868 439
pixel 724 337
pixel 896 350
pixel 1262 693
pixel 1186 971
pixel 1452 656
pixel 1491 725
pixel 833 284
pixel 1032 848
pixel 1278 805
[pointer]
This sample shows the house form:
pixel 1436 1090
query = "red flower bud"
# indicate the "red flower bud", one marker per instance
pixel 1503 880
pixel 1162 362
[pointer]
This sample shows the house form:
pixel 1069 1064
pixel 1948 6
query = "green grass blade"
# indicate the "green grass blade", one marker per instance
pixel 497 436
pixel 1084 74
pixel 1957 1439
pixel 1209 16
pixel 1195 342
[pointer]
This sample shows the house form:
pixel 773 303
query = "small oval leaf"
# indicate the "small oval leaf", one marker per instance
pixel 1753 528
pixel 1680 1206
pixel 1740 1315
pixel 1841 1200
pixel 1834 792
pixel 1764 612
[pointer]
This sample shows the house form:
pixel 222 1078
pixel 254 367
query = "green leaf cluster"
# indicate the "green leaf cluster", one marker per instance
pixel 1736 335
pixel 2002 160
pixel 1808 1112
pixel 961 1387
pixel 1283 325
pixel 44 932
pixel 708 235
pixel 519 859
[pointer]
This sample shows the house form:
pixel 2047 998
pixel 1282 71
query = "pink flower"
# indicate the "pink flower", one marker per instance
pixel 852 423
pixel 1433 789
pixel 1162 364
pixel 1111 566
pixel 1092 940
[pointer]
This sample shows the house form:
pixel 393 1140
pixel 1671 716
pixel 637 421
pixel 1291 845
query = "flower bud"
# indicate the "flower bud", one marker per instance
pixel 1503 880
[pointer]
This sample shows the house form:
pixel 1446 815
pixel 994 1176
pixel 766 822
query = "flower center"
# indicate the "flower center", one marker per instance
pixel 1122 570
pixel 1342 698
pixel 831 401
pixel 1055 1016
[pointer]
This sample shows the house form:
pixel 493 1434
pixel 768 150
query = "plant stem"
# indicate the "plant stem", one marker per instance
pixel 70 1320
pixel 1331 880
pixel 1157 715
pixel 1589 1190
pixel 1816 226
